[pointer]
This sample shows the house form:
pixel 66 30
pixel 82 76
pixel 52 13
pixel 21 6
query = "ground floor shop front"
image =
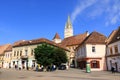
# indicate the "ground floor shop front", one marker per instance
pixel 96 64
pixel 113 62
pixel 23 63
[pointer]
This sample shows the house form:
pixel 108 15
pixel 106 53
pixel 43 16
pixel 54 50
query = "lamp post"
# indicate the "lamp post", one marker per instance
pixel 27 64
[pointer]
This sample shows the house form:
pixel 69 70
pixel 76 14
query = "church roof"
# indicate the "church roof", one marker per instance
pixel 114 36
pixel 95 38
pixel 74 40
pixel 56 36
pixel 3 48
pixel 38 41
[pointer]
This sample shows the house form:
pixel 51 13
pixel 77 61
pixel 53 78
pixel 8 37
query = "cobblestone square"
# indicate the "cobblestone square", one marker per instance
pixel 71 74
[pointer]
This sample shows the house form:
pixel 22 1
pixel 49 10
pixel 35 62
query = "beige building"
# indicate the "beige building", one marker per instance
pixel 113 50
pixel 7 57
pixel 23 52
pixel 92 50
pixel 2 51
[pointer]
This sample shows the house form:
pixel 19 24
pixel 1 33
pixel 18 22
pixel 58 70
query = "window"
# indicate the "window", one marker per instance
pixel 111 52
pixel 14 53
pixel 32 52
pixel 8 55
pixel 26 52
pixel 93 48
pixel 20 53
pixel 95 64
pixel 17 53
pixel 116 49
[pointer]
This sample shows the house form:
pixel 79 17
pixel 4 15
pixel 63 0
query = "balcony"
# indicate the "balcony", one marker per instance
pixel 24 57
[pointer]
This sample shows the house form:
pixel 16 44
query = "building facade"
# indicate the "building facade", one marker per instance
pixel 7 57
pixel 92 50
pixel 23 53
pixel 2 53
pixel 113 50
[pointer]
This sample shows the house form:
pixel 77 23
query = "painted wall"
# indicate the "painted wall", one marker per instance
pixel 7 59
pixel 100 50
pixel 85 51
pixel 112 60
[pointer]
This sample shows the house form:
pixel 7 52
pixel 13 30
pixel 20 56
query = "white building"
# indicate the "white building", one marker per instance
pixel 92 50
pixel 113 50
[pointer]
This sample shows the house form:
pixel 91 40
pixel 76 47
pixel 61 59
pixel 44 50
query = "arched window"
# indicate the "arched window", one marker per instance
pixel 95 64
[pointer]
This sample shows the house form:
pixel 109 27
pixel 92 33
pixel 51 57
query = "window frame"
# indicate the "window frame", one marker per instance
pixel 93 49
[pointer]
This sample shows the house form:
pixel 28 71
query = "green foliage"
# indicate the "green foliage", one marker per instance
pixel 46 54
pixel 59 56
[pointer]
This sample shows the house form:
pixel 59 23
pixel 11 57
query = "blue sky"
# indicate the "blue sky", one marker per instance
pixel 31 19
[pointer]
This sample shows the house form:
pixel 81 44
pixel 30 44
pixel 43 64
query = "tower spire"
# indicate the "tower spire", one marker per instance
pixel 68 28
pixel 68 24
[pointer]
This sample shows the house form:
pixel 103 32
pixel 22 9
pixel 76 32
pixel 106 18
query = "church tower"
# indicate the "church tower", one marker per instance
pixel 68 29
pixel 57 38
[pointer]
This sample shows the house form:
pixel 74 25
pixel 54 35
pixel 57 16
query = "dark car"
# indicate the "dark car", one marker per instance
pixel 72 66
pixel 62 67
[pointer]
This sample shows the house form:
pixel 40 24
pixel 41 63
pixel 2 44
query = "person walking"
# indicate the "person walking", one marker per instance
pixel 113 69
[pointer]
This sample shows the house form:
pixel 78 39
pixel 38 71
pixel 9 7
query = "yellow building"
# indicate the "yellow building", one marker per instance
pixel 7 57
pixel 2 50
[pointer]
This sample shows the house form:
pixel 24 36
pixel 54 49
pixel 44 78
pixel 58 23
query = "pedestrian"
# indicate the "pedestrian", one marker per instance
pixel 37 68
pixel 113 69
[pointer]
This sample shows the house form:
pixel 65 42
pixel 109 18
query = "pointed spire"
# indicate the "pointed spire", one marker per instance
pixel 56 36
pixel 68 24
pixel 68 28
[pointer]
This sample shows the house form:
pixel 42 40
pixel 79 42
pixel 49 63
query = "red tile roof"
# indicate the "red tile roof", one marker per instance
pixel 95 38
pixel 74 40
pixel 115 37
pixel 56 36
pixel 38 41
pixel 9 48
pixel 109 39
pixel 3 48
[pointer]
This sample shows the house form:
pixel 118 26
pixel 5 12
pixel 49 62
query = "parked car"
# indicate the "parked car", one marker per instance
pixel 62 67
pixel 72 66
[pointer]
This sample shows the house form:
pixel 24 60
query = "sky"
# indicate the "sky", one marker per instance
pixel 32 19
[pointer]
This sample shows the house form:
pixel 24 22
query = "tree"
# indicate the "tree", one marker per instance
pixel 42 54
pixel 46 54
pixel 59 56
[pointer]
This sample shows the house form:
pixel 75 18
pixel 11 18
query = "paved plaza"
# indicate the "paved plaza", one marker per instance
pixel 71 74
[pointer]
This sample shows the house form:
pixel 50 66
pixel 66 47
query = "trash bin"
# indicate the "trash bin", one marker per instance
pixel 88 68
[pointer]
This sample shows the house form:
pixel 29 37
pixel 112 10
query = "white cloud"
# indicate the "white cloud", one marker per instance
pixel 108 9
pixel 81 7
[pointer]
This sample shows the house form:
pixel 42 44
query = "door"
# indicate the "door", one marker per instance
pixel 116 67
